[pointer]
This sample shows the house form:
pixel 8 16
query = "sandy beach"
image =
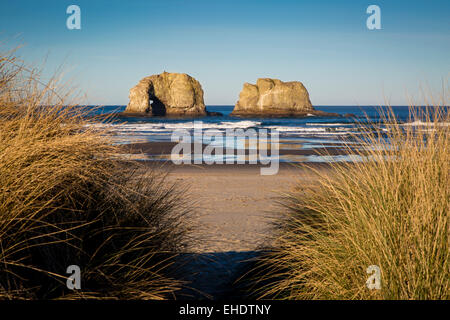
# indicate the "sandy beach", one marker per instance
pixel 235 204
pixel 235 207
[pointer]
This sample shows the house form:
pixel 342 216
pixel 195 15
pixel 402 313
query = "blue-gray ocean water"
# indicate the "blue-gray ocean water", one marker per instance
pixel 294 133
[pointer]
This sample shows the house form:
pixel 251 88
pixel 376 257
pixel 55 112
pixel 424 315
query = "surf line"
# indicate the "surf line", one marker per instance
pixel 213 147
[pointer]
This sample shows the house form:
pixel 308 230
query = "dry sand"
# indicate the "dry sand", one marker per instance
pixel 235 208
pixel 235 204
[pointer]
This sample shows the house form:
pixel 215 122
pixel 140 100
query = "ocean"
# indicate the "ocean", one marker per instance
pixel 300 134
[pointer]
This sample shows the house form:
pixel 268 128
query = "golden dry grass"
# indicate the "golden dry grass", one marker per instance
pixel 391 211
pixel 65 200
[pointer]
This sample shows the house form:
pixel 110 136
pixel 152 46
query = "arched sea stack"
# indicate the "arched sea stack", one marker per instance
pixel 167 94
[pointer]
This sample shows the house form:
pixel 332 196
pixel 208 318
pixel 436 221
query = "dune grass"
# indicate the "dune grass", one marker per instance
pixel 65 200
pixel 391 210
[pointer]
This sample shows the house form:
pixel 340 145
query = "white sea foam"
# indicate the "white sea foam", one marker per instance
pixel 159 127
pixel 311 130
pixel 419 123
pixel 135 129
pixel 325 133
pixel 327 124
pixel 295 129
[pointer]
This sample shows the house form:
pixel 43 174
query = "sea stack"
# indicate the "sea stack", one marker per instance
pixel 274 98
pixel 167 94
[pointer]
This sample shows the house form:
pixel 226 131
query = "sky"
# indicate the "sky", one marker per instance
pixel 324 44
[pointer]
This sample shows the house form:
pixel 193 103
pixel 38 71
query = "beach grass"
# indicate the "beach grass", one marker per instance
pixel 391 210
pixel 65 199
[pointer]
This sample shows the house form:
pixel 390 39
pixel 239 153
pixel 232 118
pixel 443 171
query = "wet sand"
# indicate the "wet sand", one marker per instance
pixel 164 149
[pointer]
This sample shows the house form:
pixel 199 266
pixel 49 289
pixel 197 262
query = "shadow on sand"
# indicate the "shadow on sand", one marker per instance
pixel 214 276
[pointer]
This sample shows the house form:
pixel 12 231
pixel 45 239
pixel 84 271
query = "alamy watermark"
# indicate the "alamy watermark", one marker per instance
pixel 74 280
pixel 214 147
pixel 374 20
pixel 73 22
pixel 374 281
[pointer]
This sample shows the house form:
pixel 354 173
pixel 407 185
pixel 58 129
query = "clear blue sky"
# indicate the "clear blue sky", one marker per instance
pixel 324 44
